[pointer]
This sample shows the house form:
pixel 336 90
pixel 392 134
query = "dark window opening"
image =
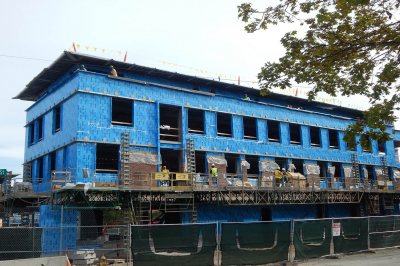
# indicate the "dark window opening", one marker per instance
pixel 170 123
pixel 31 134
pixel 171 159
pixel 231 160
pixel 382 146
pixel 366 143
pixel 52 160
pixel 57 119
pixel 370 171
pixel 40 174
pixel 282 162
pixel 121 112
pixel 273 131
pixel 298 163
pixel 40 128
pixel 107 157
pixel 200 158
pixel 396 144
pixel 196 121
pixel 323 170
pixel 333 139
pixel 352 148
pixel 315 136
pixel 338 170
pixel 224 125
pixel 295 134
pixel 250 127
pixel 253 171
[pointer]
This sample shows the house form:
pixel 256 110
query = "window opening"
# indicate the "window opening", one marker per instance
pixel 107 157
pixel 200 158
pixel 298 163
pixel 282 162
pixel 171 159
pixel 52 161
pixel 121 111
pixel 250 127
pixel 254 170
pixel 273 131
pixel 365 139
pixel 31 134
pixel 196 121
pixel 338 170
pixel 170 123
pixel 323 169
pixel 370 170
pixel 231 160
pixel 381 146
pixel 295 134
pixel 333 139
pixel 315 136
pixel 224 125
pixel 397 150
pixel 40 128
pixel 40 174
pixel 57 119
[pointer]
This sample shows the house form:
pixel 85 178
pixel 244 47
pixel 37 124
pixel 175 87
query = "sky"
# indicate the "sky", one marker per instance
pixel 203 38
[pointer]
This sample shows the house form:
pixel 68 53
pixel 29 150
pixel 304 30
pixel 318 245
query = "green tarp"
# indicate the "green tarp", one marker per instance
pixel 20 243
pixel 312 238
pixel 384 231
pixel 192 244
pixel 353 235
pixel 254 243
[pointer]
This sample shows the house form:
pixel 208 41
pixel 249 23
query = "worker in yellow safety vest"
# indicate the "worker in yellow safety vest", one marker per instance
pixel 165 172
pixel 214 174
pixel 278 175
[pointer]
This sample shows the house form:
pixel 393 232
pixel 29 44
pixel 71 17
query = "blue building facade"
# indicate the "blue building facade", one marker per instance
pixel 75 123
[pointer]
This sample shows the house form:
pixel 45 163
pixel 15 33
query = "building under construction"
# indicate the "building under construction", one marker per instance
pixel 96 141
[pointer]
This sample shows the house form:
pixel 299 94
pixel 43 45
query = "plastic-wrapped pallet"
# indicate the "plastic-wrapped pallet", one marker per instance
pixel 312 172
pixel 84 257
pixel 267 169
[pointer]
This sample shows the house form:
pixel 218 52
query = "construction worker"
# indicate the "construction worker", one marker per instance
pixel 278 175
pixel 82 68
pixel 113 72
pixel 246 97
pixel 285 176
pixel 165 172
pixel 214 174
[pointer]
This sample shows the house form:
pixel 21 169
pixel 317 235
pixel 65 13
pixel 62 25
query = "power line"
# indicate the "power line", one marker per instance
pixel 25 58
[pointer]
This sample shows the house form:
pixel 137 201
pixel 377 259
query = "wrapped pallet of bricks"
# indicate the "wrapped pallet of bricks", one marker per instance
pixel 381 179
pixel 296 180
pixel 221 164
pixel 267 169
pixel 312 172
pixel 84 257
pixel 141 165
pixel 396 180
pixel 348 177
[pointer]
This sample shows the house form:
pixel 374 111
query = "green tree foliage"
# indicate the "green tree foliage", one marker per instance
pixel 345 47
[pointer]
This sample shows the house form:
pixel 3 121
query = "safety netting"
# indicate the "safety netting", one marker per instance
pixel 191 244
pixel 312 238
pixel 350 235
pixel 384 231
pixel 20 243
pixel 254 243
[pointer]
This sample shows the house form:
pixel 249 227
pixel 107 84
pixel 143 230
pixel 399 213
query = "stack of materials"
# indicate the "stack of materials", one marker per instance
pixel 267 169
pixel 312 172
pixel 84 257
pixel 297 181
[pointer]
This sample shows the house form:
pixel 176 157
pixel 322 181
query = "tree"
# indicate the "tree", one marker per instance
pixel 344 47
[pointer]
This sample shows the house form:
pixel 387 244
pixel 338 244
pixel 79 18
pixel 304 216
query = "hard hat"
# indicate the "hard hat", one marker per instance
pixel 283 169
pixel 213 165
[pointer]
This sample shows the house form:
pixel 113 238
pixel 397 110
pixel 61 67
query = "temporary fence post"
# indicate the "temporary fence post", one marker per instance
pixel 368 241
pixel 218 238
pixel 129 246
pixel 292 250
pixel 332 248
pixel 61 231
pixel 33 242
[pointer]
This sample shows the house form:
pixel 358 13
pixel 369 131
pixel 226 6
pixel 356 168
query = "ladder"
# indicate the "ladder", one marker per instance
pixel 385 172
pixel 355 166
pixel 191 156
pixel 27 172
pixel 124 159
